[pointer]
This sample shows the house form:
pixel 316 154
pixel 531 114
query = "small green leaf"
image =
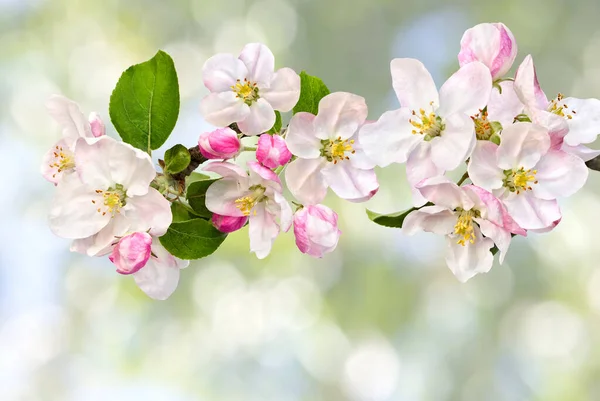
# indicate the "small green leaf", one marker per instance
pixel 196 197
pixel 177 159
pixel 394 220
pixel 192 239
pixel 145 103
pixel 195 176
pixel 312 90
pixel 277 126
pixel 180 213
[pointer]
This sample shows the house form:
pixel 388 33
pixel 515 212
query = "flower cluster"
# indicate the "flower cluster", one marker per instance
pixel 520 153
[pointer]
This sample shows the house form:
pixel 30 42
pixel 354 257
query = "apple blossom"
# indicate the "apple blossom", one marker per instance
pixel 491 44
pixel 108 197
pixel 471 218
pixel 316 230
pixel 247 90
pixel 132 252
pixel 228 224
pixel 222 143
pixel 527 174
pixel 582 116
pixel 59 160
pixel 432 132
pixel 256 195
pixel 272 152
pixel 329 152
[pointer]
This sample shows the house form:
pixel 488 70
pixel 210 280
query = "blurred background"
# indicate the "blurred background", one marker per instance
pixel 382 318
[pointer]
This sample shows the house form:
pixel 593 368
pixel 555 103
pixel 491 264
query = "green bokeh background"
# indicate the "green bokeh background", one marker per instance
pixel 381 318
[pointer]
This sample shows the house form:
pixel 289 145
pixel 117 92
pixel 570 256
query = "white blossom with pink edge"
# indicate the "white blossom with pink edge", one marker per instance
pixel 316 230
pixel 574 122
pixel 432 132
pixel 527 174
pixel 59 160
pixel 222 143
pixel 247 90
pixel 471 218
pixel 329 152
pixel 272 151
pixel 256 195
pixel 492 44
pixel 108 197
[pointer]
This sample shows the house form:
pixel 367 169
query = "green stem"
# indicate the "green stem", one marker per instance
pixel 462 179
pixel 249 149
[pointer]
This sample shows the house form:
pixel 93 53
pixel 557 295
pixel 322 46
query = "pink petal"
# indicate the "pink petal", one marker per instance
pixel 504 107
pixel 350 183
pixel 340 115
pixel 527 86
pixel 532 213
pixel 259 174
pixel 316 231
pixel 132 252
pixel 304 180
pixel 97 126
pixel 272 151
pixel 260 62
pixel 260 119
pixel 443 192
pixel 523 145
pixel 227 170
pixel 432 219
pixel 559 174
pixel 228 224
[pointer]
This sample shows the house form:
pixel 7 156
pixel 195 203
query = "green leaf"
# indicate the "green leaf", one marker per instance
pixel 180 213
pixel 177 159
pixel 145 103
pixel 196 197
pixel 312 90
pixel 192 239
pixel 195 176
pixel 277 126
pixel 394 220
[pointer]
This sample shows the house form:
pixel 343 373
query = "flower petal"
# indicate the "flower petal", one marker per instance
pixel 260 175
pixel 227 170
pixel 504 107
pixel 527 86
pixel 224 108
pixel 350 183
pixel 532 213
pixel 443 192
pixel 57 162
pixel 390 139
pixel 102 242
pixel 221 197
pixel 456 142
pixel 559 174
pixel 420 166
pixel 160 277
pixel 283 91
pixel 413 84
pixel 68 115
pixel 263 230
pixel 300 137
pixel 340 115
pixel 260 119
pixel 584 127
pixel 260 62
pixel 431 219
pixel 150 212
pixel 304 180
pixel 221 71
pixel 465 261
pixel 467 91
pixel 493 209
pixel 483 166
pixel 523 145
pixel 581 151
pixel 500 236
pixel 129 167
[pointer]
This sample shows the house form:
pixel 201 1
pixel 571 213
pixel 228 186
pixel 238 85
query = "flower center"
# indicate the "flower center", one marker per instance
pixel 113 199
pixel 63 160
pixel 558 107
pixel 246 90
pixel 484 128
pixel 464 226
pixel 247 203
pixel 429 124
pixel 517 180
pixel 335 150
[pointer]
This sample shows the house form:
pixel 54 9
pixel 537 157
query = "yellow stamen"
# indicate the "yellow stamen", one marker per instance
pixel 337 149
pixel 559 108
pixel 464 227
pixel 64 160
pixel 518 180
pixel 428 124
pixel 246 90
pixel 247 203
pixel 113 200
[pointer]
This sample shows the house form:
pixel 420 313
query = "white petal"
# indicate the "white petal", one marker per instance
pixel 304 180
pixel 221 71
pixel 286 215
pixel 263 230
pixel 581 151
pixel 420 166
pixel 58 153
pixel 443 192
pixel 505 106
pixel 527 86
pixel 260 62
pixel 222 109
pixel 340 115
pixel 584 127
pixel 456 142
pixel 260 119
pixel 300 136
pixel 523 144
pixel 483 166
pixel 221 197
pixel 500 236
pixel 413 84
pixel 73 215
pixel 283 91
pixel 432 219
pixel 102 243
pixel 68 115
pixel 92 159
pixel 227 170
pixel 131 168
pixel 390 139
pixel 350 183
pixel 532 213
pixel 559 174
pixel 467 91
pixel 149 212
pixel 468 260
pixel 160 277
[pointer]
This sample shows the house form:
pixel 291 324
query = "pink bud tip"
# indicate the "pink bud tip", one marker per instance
pixel 132 252
pixel 222 143
pixel 272 151
pixel 316 230
pixel 228 224
pixel 98 128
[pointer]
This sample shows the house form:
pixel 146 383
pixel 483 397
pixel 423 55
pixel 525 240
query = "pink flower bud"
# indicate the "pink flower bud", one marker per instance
pixel 316 231
pixel 132 252
pixel 98 128
pixel 492 44
pixel 228 224
pixel 272 151
pixel 222 143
